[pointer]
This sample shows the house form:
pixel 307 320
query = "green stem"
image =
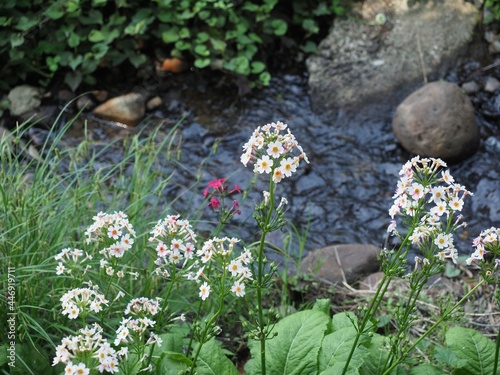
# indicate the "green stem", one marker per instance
pixel 260 279
pixel 497 349
pixel 204 335
pixel 437 323
pixel 378 297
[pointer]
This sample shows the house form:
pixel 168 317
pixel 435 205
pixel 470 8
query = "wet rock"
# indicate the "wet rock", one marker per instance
pixel 339 263
pixel 24 98
pixel 85 102
pixel 471 87
pixel 438 121
pixel 486 199
pixel 492 145
pixel 154 103
pixel 362 60
pixel 491 84
pixel 127 109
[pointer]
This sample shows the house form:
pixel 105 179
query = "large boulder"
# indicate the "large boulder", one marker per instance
pixel 388 49
pixel 342 263
pixel 437 120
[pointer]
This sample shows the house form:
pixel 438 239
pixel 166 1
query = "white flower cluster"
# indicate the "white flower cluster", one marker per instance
pixel 70 258
pixel 88 344
pixel 135 328
pixel 143 305
pixel 488 241
pixel 271 151
pixel 174 240
pixel 431 194
pixel 219 251
pixel 115 227
pixel 81 301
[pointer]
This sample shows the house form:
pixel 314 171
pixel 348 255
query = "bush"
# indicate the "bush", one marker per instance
pixel 77 37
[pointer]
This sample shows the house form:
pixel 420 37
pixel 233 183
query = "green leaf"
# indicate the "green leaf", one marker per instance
pixel 171 361
pixel 26 23
pixel 201 63
pixel 265 78
pixel 337 346
pixel 295 349
pixel 55 11
pixel 447 357
pixel 16 40
pixel 213 361
pixel 322 304
pixel 53 62
pixel 377 356
pixel 239 65
pixel 202 50
pixel 279 27
pixel 170 36
pixel 73 80
pixel 137 59
pixel 73 40
pixel 472 346
pixel 96 36
pixel 426 369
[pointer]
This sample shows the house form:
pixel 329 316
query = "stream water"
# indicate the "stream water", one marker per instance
pixel 344 194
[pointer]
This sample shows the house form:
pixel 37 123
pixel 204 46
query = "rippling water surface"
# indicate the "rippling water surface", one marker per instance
pixel 345 192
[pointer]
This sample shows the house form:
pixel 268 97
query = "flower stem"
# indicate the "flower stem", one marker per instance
pixel 442 318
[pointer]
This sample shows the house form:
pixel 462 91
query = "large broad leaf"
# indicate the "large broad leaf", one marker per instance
pixel 426 369
pixel 294 351
pixel 171 359
pixel 338 344
pixel 377 356
pixel 472 346
pixel 213 361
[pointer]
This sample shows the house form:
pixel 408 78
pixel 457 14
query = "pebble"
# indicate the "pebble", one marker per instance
pixel 491 84
pixel 471 87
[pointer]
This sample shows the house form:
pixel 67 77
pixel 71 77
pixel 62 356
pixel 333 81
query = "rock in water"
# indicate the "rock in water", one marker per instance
pixel 127 109
pixel 338 263
pixel 384 52
pixel 437 121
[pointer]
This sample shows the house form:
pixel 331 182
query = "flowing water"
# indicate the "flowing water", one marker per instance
pixel 344 194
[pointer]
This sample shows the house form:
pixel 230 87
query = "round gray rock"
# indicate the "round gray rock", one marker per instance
pixel 438 121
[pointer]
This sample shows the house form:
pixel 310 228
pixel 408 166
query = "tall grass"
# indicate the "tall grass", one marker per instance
pixel 47 198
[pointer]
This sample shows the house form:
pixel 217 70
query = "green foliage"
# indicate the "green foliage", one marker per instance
pixel 295 348
pixel 475 350
pixel 78 37
pixel 494 11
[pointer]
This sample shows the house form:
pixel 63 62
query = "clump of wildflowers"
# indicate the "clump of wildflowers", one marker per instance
pixel 71 259
pixel 427 198
pixel 87 351
pixel 117 234
pixel 174 241
pixel 271 151
pixel 82 301
pixel 219 252
pixel 217 191
pixel 487 253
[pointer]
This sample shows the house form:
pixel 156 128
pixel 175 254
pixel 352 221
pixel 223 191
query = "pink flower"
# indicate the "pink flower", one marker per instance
pixel 214 203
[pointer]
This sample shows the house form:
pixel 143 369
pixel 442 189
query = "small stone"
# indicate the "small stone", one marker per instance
pixel 127 109
pixel 494 47
pixel 438 121
pixel 24 98
pixel 470 87
pixel 84 103
pixel 154 103
pixel 491 84
pixel 100 95
pixel 339 263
